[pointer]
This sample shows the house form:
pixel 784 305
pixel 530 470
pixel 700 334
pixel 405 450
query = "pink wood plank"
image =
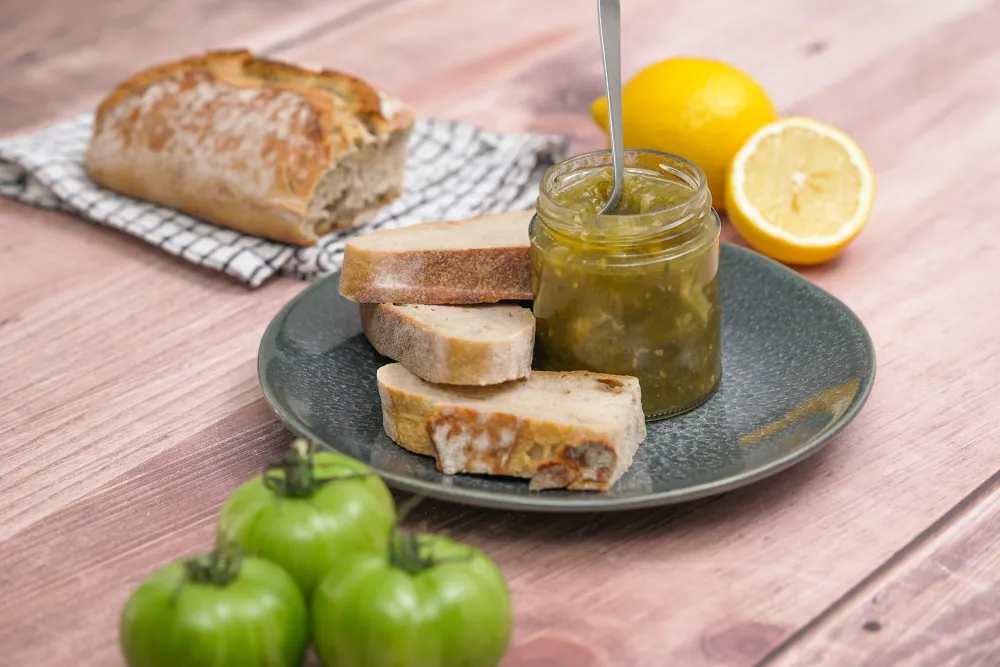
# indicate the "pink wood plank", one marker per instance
pixel 937 604
pixel 129 405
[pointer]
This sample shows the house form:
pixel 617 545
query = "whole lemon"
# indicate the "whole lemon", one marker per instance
pixel 703 110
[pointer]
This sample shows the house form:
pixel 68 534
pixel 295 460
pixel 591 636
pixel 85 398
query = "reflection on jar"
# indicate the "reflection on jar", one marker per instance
pixel 635 293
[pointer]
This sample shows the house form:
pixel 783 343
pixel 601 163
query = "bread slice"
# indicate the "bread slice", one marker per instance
pixel 479 260
pixel 574 430
pixel 256 145
pixel 469 345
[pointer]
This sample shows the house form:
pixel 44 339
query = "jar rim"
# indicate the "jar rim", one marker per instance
pixel 700 179
pixel 699 201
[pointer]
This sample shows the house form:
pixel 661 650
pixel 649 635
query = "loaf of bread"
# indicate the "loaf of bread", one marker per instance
pixel 255 145
pixel 469 345
pixel 480 260
pixel 575 430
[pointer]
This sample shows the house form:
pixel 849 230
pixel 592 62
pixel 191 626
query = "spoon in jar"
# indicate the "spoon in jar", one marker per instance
pixel 609 20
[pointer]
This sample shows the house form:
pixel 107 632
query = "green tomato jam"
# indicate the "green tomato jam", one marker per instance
pixel 633 293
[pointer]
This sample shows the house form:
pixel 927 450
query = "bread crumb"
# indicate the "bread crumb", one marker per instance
pixel 613 385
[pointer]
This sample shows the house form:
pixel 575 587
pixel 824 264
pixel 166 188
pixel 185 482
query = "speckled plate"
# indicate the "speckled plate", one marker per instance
pixel 797 367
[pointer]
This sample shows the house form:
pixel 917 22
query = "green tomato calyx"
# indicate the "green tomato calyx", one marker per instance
pixel 405 549
pixel 295 475
pixel 219 568
pixel 404 552
pixel 407 553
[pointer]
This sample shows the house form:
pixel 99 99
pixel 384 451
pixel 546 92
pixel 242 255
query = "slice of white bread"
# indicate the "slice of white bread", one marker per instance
pixel 574 430
pixel 469 345
pixel 479 260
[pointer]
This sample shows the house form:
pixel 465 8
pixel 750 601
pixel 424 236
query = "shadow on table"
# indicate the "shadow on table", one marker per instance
pixel 734 511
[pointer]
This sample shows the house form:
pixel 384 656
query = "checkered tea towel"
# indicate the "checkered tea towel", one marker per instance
pixel 454 171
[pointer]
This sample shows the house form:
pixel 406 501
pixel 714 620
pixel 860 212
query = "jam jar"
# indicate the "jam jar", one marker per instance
pixel 635 292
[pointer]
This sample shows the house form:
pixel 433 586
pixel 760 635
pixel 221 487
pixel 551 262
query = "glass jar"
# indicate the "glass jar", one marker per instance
pixel 635 293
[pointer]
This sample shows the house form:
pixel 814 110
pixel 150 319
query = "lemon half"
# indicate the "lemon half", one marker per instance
pixel 799 190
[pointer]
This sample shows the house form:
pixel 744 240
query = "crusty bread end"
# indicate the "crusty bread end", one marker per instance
pixel 256 145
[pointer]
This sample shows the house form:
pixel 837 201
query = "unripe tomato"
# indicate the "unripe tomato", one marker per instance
pixel 426 602
pixel 217 610
pixel 309 511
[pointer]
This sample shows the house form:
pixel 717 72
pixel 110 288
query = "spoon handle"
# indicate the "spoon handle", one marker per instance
pixel 609 22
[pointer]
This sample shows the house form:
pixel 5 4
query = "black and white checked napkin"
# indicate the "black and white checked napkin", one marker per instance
pixel 454 171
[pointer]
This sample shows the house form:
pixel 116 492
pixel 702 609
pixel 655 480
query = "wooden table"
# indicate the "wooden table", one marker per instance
pixel 129 405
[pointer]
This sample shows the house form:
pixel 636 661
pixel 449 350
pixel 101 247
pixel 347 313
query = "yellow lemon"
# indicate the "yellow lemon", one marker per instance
pixel 800 190
pixel 703 110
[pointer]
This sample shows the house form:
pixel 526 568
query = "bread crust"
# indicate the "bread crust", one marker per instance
pixel 480 275
pixel 436 356
pixel 241 141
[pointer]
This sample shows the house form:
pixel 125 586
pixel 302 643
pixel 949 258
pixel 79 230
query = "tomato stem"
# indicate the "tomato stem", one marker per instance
pixel 220 567
pixel 405 551
pixel 295 475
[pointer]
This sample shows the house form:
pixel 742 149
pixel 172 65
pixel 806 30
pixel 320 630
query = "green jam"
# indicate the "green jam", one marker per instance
pixel 642 192
pixel 635 293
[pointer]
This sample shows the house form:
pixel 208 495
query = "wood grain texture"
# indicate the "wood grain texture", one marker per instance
pixel 56 55
pixel 936 605
pixel 84 559
pixel 129 405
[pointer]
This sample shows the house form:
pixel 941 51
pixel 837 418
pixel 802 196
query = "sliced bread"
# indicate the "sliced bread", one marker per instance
pixel 479 260
pixel 575 430
pixel 474 345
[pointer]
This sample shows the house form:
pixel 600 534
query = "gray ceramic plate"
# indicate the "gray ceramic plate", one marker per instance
pixel 797 366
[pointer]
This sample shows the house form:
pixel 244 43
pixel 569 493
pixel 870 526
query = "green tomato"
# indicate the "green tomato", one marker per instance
pixel 308 512
pixel 427 602
pixel 216 611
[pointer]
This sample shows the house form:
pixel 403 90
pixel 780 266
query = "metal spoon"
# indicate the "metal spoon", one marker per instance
pixel 609 19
